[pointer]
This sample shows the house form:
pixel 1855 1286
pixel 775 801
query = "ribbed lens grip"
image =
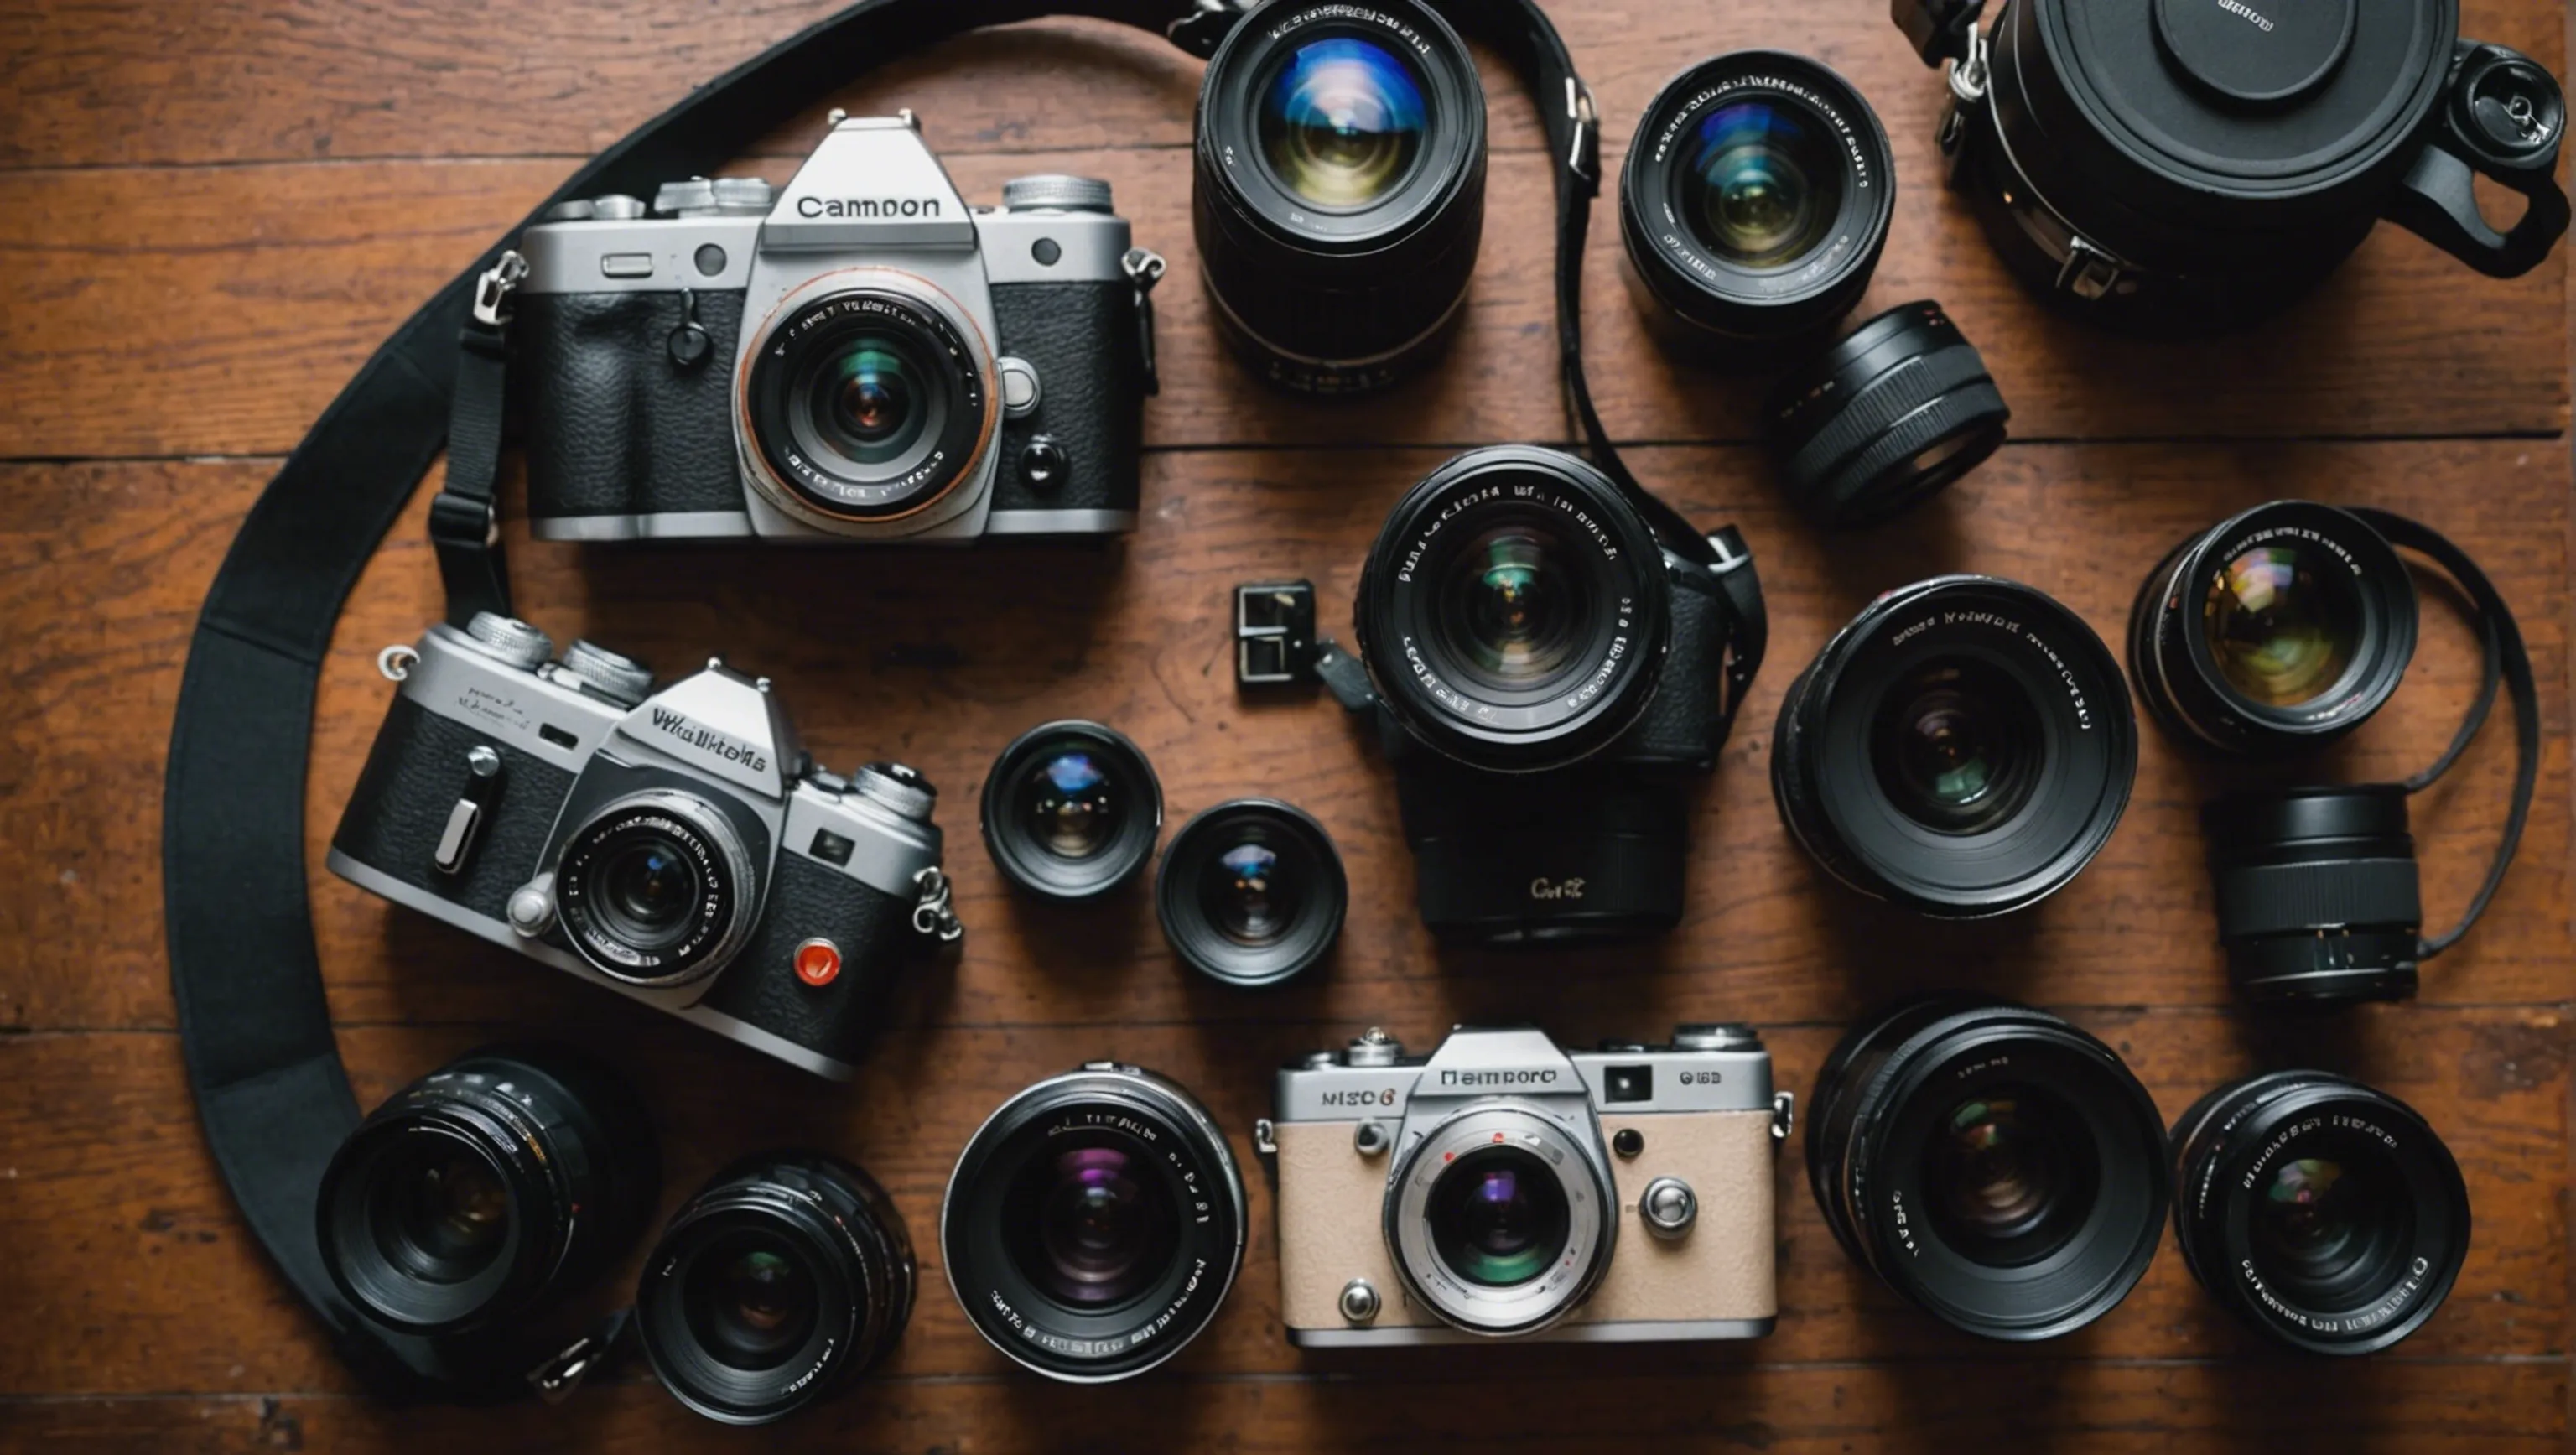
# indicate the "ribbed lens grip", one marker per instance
pixel 2273 899
pixel 1860 430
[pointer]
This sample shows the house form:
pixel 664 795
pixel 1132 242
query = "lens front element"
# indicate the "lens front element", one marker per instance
pixel 1071 810
pixel 1762 184
pixel 2283 626
pixel 1341 122
pixel 1498 1217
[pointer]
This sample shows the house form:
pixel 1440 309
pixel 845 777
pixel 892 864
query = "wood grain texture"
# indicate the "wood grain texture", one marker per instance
pixel 213 212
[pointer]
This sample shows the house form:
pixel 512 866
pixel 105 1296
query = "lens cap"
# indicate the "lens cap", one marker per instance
pixel 1251 892
pixel 1884 419
pixel 1071 810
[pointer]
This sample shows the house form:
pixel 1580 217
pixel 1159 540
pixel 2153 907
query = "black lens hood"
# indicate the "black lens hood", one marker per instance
pixel 1052 876
pixel 1175 1135
pixel 2220 1149
pixel 1878 1097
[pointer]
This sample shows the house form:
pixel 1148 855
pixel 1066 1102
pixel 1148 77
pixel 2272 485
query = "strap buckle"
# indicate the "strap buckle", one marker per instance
pixel 932 915
pixel 492 291
pixel 462 520
pixel 555 1380
pixel 1583 153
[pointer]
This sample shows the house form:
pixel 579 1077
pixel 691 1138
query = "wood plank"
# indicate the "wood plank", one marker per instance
pixel 216 311
pixel 942 658
pixel 148 1269
pixel 2116 1409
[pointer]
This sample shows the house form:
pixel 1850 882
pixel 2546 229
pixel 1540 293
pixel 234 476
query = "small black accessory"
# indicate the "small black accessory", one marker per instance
pixel 1071 810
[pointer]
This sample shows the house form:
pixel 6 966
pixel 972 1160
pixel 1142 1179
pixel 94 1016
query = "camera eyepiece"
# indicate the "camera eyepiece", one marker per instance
pixel 1997 1166
pixel 1251 892
pixel 511 1175
pixel 786 1277
pixel 1963 748
pixel 2323 1213
pixel 1755 202
pixel 1889 416
pixel 1339 191
pixel 2281 628
pixel 1094 1224
pixel 1071 810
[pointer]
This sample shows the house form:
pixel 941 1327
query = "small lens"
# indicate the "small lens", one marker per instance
pixel 1251 892
pixel 1342 122
pixel 2283 630
pixel 1498 1217
pixel 1762 184
pixel 2009 1176
pixel 1095 1231
pixel 1957 746
pixel 866 400
pixel 751 1302
pixel 647 891
pixel 1513 610
pixel 656 888
pixel 1071 807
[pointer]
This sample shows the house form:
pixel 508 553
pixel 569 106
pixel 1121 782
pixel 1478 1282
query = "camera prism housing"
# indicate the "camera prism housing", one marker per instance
pixel 1483 1191
pixel 859 356
pixel 677 847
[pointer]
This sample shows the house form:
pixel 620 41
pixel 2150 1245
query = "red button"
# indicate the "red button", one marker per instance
pixel 818 962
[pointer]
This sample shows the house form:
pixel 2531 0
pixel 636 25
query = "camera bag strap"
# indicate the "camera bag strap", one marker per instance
pixel 254 1022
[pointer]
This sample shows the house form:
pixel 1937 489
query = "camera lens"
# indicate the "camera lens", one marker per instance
pixel 1995 1165
pixel 1094 1224
pixel 1071 810
pixel 1339 191
pixel 1496 1220
pixel 865 405
pixel 1886 418
pixel 1513 611
pixel 1251 892
pixel 786 1277
pixel 1963 748
pixel 2281 628
pixel 472 1195
pixel 1755 201
pixel 2319 895
pixel 657 889
pixel 2324 1213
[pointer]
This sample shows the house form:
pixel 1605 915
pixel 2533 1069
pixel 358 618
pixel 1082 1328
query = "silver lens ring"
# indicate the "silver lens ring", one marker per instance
pixel 1572 1158
pixel 706 855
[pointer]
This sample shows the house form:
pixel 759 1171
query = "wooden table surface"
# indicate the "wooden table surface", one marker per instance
pixel 212 211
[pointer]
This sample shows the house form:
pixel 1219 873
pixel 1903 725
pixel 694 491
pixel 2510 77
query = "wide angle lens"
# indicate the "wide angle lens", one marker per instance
pixel 2326 1214
pixel 1071 810
pixel 1094 1224
pixel 2279 629
pixel 1997 1166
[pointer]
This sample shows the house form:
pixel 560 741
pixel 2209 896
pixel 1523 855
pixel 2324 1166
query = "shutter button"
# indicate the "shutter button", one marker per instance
pixel 818 962
pixel 1043 465
pixel 1669 1207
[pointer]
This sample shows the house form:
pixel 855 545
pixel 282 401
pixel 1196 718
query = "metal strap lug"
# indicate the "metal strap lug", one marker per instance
pixel 492 292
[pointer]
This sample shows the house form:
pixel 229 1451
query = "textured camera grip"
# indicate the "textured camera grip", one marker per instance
pixel 612 425
pixel 413 777
pixel 1679 727
pixel 873 931
pixel 1082 339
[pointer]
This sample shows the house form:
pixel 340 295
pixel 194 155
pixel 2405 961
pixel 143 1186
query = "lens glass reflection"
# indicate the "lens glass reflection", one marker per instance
pixel 442 1218
pixel 2008 1175
pixel 1958 745
pixel 1092 1226
pixel 1069 804
pixel 1761 183
pixel 1513 614
pixel 867 400
pixel 1498 1217
pixel 751 1301
pixel 2283 622
pixel 1341 122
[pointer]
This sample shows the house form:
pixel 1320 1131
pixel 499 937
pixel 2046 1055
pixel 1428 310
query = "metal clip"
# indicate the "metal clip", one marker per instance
pixel 1784 1115
pixel 1583 157
pixel 1968 75
pixel 931 914
pixel 396 661
pixel 557 1378
pixel 1265 1138
pixel 1206 28
pixel 492 293
pixel 2090 273
pixel 1143 267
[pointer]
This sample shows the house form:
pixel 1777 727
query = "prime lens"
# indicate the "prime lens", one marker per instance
pixel 657 889
pixel 2320 899
pixel 2324 1213
pixel 1513 612
pixel 1496 1220
pixel 2278 629
pixel 1883 420
pixel 1339 191
pixel 1963 748
pixel 785 1278
pixel 1094 1224
pixel 1755 203
pixel 481 1190
pixel 1997 1166
pixel 1251 892
pixel 1070 810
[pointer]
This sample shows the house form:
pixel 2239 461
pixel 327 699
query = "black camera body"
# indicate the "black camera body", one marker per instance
pixel 1549 680
pixel 677 847
pixel 859 356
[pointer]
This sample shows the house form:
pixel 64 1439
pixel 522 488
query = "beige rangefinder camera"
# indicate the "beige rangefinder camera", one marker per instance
pixel 1502 1188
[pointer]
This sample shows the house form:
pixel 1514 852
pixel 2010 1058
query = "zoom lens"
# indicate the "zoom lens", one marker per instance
pixel 784 1279
pixel 1496 1220
pixel 1995 1165
pixel 1963 748
pixel 2319 895
pixel 1339 193
pixel 656 889
pixel 485 1188
pixel 1094 1224
pixel 1251 892
pixel 1755 202
pixel 1513 612
pixel 1071 810
pixel 865 405
pixel 2278 629
pixel 1885 419
pixel 2324 1213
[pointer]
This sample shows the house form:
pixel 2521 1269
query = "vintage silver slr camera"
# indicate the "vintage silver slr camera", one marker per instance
pixel 675 846
pixel 857 357
pixel 1484 1190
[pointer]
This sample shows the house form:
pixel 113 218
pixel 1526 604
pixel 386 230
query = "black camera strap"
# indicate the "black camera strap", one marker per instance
pixel 254 1022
